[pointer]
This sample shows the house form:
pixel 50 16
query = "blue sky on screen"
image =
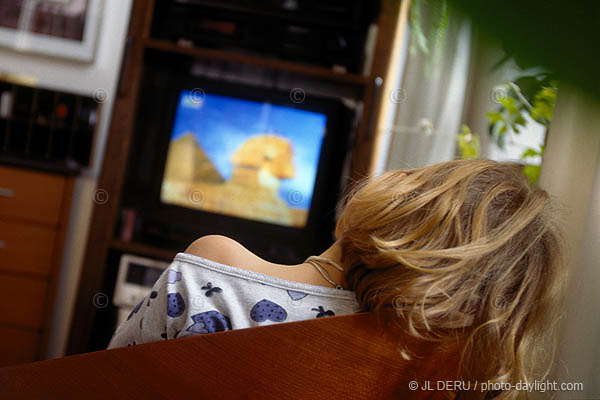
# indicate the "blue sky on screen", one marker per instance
pixel 221 124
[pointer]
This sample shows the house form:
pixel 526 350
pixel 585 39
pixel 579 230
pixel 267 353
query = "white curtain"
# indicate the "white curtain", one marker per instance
pixel 429 100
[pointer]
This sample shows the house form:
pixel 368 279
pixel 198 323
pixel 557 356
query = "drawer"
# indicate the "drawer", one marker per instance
pixel 22 301
pixel 17 345
pixel 30 196
pixel 26 248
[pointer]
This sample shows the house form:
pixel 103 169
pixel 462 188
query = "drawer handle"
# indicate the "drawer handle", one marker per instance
pixel 2 244
pixel 6 192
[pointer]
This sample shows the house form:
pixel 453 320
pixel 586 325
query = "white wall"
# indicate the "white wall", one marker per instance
pixel 571 173
pixel 80 78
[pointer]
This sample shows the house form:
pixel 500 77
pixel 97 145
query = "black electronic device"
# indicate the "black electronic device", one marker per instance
pixel 212 157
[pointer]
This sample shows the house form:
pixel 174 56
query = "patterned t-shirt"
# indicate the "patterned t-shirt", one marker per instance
pixel 195 296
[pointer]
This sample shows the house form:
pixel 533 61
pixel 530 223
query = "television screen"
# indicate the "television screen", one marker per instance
pixel 242 158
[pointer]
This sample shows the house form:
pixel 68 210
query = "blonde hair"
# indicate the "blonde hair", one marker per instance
pixel 466 252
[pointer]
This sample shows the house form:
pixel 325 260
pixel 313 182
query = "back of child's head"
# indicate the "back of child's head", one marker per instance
pixel 464 252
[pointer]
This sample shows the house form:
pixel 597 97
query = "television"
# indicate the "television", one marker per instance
pixel 248 162
pixel 243 158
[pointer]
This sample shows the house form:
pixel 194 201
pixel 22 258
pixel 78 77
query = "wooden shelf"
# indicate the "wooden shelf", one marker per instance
pixel 66 168
pixel 143 249
pixel 87 320
pixel 271 63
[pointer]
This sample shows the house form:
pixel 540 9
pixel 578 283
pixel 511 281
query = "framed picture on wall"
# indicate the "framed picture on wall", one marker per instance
pixel 58 28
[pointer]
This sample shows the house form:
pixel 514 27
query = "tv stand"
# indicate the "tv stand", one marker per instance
pixel 91 325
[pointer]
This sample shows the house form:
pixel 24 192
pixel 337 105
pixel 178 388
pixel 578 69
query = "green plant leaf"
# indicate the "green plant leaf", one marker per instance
pixel 529 85
pixel 468 143
pixel 509 103
pixel 519 120
pixel 543 105
pixel 531 94
pixel 494 117
pixel 532 172
pixel 531 152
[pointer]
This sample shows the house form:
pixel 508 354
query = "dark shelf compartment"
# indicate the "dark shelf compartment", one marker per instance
pixel 318 33
pixel 336 14
pixel 270 63
pixel 65 168
pixel 46 130
pixel 143 249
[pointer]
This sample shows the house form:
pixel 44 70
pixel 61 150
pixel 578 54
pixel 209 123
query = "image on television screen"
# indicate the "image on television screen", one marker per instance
pixel 242 158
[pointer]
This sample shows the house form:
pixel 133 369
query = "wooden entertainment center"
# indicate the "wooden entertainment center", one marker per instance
pixel 92 320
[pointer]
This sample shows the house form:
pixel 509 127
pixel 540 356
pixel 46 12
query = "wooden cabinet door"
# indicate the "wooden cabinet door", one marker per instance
pixel 26 248
pixel 30 196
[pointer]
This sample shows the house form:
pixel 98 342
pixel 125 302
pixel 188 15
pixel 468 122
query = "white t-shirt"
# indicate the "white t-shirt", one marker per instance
pixel 197 296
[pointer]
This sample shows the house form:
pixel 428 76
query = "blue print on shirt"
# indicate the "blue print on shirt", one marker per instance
pixel 210 289
pixel 152 296
pixel 175 305
pixel 322 313
pixel 135 309
pixel 267 310
pixel 173 276
pixel 209 322
pixel 294 295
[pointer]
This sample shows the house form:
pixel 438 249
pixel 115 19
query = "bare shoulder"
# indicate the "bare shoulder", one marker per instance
pixel 227 251
pixel 220 249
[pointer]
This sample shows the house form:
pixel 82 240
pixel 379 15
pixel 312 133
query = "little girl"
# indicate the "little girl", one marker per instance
pixel 459 252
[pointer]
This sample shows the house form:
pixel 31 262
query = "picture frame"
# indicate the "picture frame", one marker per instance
pixel 56 28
